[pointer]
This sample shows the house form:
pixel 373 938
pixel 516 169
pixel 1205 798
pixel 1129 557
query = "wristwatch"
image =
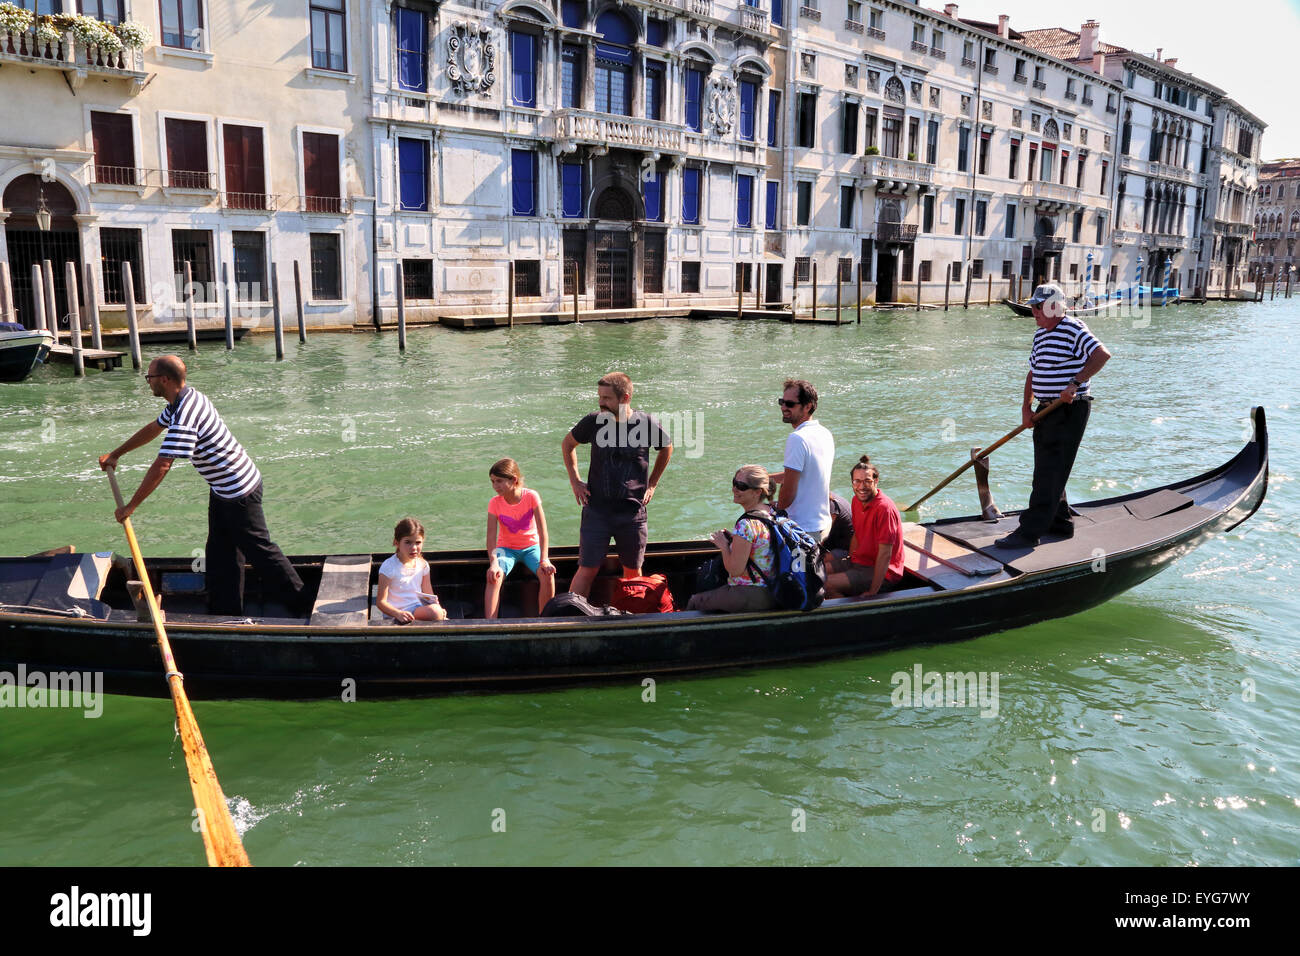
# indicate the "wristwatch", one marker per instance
pixel 1075 382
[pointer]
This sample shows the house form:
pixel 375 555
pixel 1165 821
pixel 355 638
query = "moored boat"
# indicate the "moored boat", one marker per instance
pixel 73 613
pixel 21 350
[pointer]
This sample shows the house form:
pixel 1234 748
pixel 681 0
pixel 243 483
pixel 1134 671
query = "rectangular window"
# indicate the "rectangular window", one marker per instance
pixel 1048 156
pixel 575 261
pixel 913 138
pixel 413 173
pixel 748 110
pixel 955 272
pixel 250 266
pixel 652 192
pixel 1010 232
pixel 654 92
pixel 1078 225
pixel 958 221
pixel 745 201
pixel 927 214
pixel 891 132
pixel 417 278
pixel 803 203
pixel 1026 261
pixel 849 128
pixel 932 142
pixel 187 154
pixel 1101 223
pixel 690 277
pixel 977 269
pixel 571 78
pixel 656 32
pixel 320 172
pixel 117 246
pixel 909 257
pixel 1033 158
pixel 613 86
pixel 868 254
pixel 109 11
pixel 114 147
pixel 523 182
pixel 328 36
pixel 182 22
pixel 925 270
pixel 1065 165
pixel 528 278
pixel 844 269
pixel 778 12
pixel 868 130
pixel 773 204
pixel 244 166
pixel 1078 176
pixel 984 154
pixel 523 68
pixel 691 195
pixel 846 207
pixel 1006 268
pixel 981 216
pixel 1013 167
pixel 652 263
pixel 963 149
pixel 1105 167
pixel 773 116
pixel 326 275
pixel 694 99
pixel 1074 271
pixel 573 13
pixel 195 247
pixel 412 49
pixel 807 120
pixel 803 268
pixel 571 190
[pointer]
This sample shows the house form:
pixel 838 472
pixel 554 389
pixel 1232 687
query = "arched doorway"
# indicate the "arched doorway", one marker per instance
pixel 28 245
pixel 614 249
pixel 1046 249
pixel 889 215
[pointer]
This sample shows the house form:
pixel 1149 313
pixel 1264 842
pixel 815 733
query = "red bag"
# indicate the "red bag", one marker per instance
pixel 643 595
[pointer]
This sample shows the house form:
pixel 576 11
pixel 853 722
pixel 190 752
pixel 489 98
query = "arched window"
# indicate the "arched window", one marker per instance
pixel 614 63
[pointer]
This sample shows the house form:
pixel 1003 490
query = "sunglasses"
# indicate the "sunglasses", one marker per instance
pixel 740 485
pixel 786 403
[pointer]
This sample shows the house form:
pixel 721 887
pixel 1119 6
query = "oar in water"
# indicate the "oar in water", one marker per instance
pixel 220 838
pixel 910 510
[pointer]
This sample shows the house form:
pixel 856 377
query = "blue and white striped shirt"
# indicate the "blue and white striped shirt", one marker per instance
pixel 1059 355
pixel 196 431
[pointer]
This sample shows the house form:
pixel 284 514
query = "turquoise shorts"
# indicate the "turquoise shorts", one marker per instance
pixel 506 558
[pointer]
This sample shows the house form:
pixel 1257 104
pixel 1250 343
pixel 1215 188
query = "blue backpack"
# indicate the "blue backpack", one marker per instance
pixel 798 581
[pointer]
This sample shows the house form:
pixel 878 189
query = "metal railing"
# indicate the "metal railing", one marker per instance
pixel 119 175
pixel 920 46
pixel 895 231
pixel 968 61
pixel 990 69
pixel 876 33
pixel 1021 78
pixel 1049 245
pixel 810 13
pixel 1040 84
pixel 191 179
pixel 268 202
pixel 333 205
pixel 853 26
pixel 938 53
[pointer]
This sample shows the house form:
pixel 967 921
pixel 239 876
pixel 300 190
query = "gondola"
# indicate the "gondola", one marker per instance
pixel 72 613
pixel 21 350
pixel 1089 310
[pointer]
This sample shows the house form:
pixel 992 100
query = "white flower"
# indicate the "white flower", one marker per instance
pixel 133 34
pixel 14 19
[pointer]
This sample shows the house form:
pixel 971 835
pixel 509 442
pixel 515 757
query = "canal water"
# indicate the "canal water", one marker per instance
pixel 1158 729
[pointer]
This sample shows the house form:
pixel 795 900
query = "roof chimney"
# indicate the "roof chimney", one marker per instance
pixel 950 10
pixel 1099 64
pixel 1003 30
pixel 1172 61
pixel 1088 39
pixel 1160 51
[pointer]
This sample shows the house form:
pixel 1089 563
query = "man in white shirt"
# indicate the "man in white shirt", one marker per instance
pixel 809 455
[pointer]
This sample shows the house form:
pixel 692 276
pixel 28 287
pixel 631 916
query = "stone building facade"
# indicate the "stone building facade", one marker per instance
pixel 1277 222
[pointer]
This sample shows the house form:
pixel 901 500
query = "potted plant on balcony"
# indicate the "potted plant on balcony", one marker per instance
pixel 133 35
pixel 911 157
pixel 90 32
pixel 14 19
pixel 47 33
pixel 872 151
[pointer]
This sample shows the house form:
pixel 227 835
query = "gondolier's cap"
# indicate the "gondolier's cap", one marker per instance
pixel 1045 293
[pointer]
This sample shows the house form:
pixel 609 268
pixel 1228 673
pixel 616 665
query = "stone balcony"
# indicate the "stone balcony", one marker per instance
pixel 1161 240
pixel 896 231
pixel 897 175
pixel 1176 173
pixel 1229 228
pixel 1052 195
pixel 603 129
pixel 74 59
pixel 1122 237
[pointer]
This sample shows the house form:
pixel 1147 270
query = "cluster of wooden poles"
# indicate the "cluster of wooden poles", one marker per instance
pixel 46 309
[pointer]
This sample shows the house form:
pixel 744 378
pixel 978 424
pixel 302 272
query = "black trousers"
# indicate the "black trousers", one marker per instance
pixel 1056 442
pixel 237 533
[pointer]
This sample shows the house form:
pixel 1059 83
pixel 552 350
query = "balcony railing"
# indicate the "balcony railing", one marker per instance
pixel 266 202
pixel 1040 84
pixel 1049 245
pixel 603 129
pixel 1112 108
pixel 920 46
pixel 810 13
pixel 887 169
pixel 876 33
pixel 895 231
pixel 1087 101
pixel 990 69
pixel 76 59
pixel 1052 193
pixel 853 26
pixel 1162 240
pixel 119 175
pixel 191 179
pixel 752 18
pixel 1122 238
pixel 1021 78
pixel 1173 172
pixel 335 205
pixel 700 8
pixel 938 53
pixel 968 61
pixel 1071 95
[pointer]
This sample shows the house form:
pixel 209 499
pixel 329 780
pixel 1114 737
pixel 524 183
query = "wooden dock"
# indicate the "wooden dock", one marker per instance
pixel 93 358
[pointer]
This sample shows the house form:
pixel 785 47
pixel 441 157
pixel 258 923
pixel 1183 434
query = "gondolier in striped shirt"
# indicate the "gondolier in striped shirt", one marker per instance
pixel 1062 360
pixel 236 525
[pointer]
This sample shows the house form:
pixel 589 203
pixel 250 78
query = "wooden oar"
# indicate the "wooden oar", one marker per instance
pixel 220 838
pixel 983 452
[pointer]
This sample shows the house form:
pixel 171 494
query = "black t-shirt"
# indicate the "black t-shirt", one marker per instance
pixel 620 458
pixel 841 534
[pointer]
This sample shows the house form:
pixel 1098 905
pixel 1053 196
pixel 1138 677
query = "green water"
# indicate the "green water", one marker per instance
pixel 1126 735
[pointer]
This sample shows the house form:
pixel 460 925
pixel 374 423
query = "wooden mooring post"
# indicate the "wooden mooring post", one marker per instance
pixel 51 302
pixel 794 298
pixel 989 299
pixel 401 305
pixel 1288 284
pixel 576 319
pixel 510 300
pixel 947 286
pixel 965 302
pixel 276 317
pixel 758 284
pixel 7 311
pixel 132 323
pixel 740 289
pixel 814 290
pixel 188 289
pixel 918 287
pixel 74 317
pixel 838 285
pixel 297 297
pixel 230 320
pixel 859 293
pixel 92 308
pixel 38 300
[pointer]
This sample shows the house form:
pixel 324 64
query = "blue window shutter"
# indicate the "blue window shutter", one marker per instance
pixel 773 116
pixel 573 13
pixel 523 172
pixel 773 189
pixel 523 69
pixel 744 200
pixel 748 94
pixel 571 177
pixel 652 191
pixel 411 165
pixel 778 12
pixel 411 38
pixel 690 195
pixel 694 94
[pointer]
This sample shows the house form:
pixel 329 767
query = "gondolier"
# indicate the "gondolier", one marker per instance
pixel 1062 361
pixel 236 525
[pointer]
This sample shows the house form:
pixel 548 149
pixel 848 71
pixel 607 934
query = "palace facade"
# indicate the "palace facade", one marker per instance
pixel 1277 222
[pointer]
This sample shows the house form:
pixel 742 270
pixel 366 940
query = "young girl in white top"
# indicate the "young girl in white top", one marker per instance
pixel 404 584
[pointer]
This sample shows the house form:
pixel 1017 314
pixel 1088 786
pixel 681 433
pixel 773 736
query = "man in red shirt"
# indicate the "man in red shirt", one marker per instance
pixel 876 555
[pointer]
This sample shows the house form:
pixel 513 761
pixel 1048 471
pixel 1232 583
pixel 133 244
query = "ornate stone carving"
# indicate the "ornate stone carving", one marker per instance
pixel 894 91
pixel 722 104
pixel 471 58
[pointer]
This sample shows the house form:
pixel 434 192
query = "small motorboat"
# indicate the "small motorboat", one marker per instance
pixel 21 350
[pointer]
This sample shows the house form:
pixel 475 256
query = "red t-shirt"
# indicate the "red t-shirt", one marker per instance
pixel 875 523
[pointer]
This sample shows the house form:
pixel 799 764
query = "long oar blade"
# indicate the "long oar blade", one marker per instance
pixel 221 840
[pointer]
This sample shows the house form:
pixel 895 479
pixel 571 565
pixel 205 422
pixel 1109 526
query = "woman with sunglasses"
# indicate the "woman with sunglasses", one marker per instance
pixel 746 549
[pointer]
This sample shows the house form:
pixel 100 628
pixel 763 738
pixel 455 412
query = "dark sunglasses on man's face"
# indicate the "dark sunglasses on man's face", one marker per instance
pixel 786 403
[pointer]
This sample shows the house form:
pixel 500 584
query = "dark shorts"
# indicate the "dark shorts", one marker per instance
pixel 627 530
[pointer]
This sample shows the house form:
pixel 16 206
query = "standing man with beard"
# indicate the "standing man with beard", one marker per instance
pixel 809 453
pixel 619 481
